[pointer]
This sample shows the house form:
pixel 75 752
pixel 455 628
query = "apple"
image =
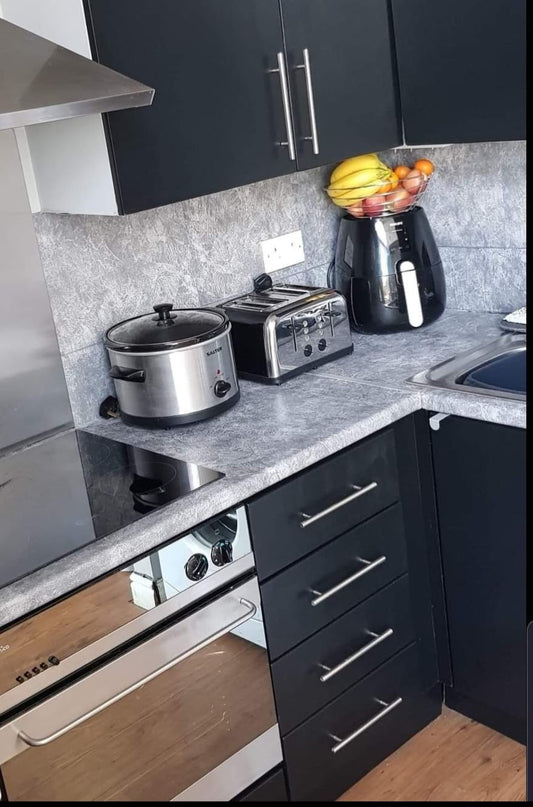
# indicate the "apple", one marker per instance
pixel 399 200
pixel 414 181
pixel 356 210
pixel 375 205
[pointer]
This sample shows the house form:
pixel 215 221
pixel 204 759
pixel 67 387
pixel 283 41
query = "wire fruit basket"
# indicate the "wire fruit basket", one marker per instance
pixel 381 198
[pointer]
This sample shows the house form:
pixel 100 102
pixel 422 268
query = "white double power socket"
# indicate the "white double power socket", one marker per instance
pixel 285 250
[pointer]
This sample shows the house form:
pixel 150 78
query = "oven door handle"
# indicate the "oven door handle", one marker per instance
pixel 36 742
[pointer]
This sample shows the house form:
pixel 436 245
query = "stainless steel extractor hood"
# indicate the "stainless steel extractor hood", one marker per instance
pixel 41 81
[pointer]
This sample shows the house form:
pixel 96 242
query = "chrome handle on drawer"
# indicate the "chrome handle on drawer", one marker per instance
pixel 307 519
pixel 378 638
pixel 369 565
pixel 388 707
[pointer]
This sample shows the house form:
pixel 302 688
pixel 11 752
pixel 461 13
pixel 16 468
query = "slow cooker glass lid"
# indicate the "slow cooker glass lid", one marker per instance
pixel 167 328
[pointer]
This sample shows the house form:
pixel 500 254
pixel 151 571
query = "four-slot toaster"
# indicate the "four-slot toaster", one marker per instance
pixel 279 331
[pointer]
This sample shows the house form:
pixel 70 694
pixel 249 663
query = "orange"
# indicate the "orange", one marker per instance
pixel 401 171
pixel 395 179
pixel 426 166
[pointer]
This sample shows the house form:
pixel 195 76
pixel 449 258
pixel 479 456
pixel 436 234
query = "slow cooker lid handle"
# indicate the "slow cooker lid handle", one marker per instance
pixel 165 316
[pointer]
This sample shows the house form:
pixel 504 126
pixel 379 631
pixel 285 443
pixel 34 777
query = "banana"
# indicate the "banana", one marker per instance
pixel 353 164
pixel 359 184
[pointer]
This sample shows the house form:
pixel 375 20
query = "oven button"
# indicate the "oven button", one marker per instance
pixel 322 345
pixel 53 659
pixel 221 388
pixel 35 670
pixel 27 674
pixel 196 567
pixel 20 679
pixel 222 552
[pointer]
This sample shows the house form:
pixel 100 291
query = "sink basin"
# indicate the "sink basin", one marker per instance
pixel 497 369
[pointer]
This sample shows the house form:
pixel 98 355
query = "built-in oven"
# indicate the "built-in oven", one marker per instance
pixel 151 684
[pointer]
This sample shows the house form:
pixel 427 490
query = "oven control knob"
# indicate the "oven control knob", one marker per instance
pixel 222 552
pixel 196 567
pixel 322 344
pixel 222 388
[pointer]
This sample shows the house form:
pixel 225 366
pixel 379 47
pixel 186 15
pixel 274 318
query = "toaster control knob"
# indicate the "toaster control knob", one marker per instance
pixel 196 567
pixel 308 349
pixel 222 388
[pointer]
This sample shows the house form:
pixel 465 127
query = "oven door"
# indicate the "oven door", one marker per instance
pixel 186 714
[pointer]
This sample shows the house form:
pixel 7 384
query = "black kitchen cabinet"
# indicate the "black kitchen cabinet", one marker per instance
pixel 271 787
pixel 351 61
pixel 480 485
pixel 347 555
pixel 217 112
pixel 218 120
pixel 462 69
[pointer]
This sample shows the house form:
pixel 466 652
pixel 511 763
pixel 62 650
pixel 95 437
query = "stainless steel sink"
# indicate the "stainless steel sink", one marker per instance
pixel 451 374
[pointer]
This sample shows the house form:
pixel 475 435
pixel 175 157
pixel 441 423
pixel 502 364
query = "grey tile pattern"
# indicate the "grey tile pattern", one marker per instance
pixel 486 278
pixel 102 269
pixel 88 382
pixel 274 432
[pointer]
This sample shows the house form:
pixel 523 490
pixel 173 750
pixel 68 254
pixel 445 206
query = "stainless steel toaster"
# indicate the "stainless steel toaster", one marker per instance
pixel 283 330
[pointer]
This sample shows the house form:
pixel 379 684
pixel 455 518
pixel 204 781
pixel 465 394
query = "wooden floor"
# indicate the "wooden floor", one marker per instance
pixel 452 759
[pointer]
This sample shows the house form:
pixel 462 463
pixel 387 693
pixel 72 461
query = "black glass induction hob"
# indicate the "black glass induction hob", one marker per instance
pixel 76 487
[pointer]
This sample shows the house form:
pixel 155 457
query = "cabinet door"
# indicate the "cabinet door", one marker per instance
pixel 352 74
pixel 462 69
pixel 217 115
pixel 480 484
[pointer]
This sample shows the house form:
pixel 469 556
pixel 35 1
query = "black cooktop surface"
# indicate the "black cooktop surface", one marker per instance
pixel 76 487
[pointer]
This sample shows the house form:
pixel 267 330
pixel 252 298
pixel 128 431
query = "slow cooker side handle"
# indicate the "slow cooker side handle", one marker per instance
pixel 127 374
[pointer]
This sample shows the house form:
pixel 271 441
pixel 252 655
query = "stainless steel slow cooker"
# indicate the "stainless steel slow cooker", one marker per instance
pixel 173 368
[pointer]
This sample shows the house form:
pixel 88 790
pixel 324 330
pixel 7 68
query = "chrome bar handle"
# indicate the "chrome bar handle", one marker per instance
pixel 308 520
pixel 37 742
pixel 306 67
pixel 332 671
pixel 369 566
pixel 388 707
pixel 284 84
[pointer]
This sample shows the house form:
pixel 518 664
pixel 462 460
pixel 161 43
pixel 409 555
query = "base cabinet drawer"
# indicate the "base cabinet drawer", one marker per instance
pixel 318 670
pixel 305 512
pixel 312 593
pixel 337 746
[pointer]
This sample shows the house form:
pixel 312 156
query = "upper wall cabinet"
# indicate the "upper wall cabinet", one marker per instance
pixel 342 78
pixel 245 90
pixel 462 69
pixel 217 119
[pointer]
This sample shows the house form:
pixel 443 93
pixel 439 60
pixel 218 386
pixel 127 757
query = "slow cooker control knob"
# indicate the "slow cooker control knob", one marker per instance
pixel 196 567
pixel 222 388
pixel 222 552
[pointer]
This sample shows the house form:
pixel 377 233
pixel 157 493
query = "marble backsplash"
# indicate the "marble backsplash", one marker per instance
pixel 102 269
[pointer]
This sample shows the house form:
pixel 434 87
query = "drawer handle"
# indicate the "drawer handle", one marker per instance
pixel 369 565
pixel 388 707
pixel 378 638
pixel 308 520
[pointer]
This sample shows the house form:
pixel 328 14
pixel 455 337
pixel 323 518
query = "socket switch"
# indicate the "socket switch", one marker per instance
pixel 285 250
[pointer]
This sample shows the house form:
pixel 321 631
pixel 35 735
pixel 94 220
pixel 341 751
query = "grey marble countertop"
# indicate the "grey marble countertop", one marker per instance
pixel 274 432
